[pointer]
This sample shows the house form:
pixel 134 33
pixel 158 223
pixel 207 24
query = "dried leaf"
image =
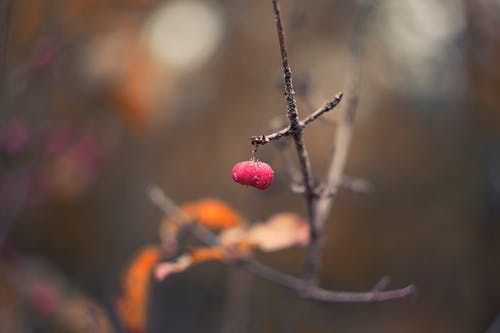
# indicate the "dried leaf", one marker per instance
pixel 232 236
pixel 212 213
pixel 235 243
pixel 164 269
pixel 132 304
pixel 279 232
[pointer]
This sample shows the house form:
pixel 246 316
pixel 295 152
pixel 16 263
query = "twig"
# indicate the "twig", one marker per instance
pixel 305 165
pixel 343 135
pixel 301 286
pixel 289 165
pixel 293 118
pixel 353 184
pixel 330 105
pixel 169 207
pixel 327 107
pixel 342 140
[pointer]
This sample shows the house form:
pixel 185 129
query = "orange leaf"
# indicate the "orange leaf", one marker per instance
pixel 212 213
pixel 135 96
pixel 131 306
pixel 207 253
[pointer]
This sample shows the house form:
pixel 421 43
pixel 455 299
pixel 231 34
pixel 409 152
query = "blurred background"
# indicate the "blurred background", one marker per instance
pixel 100 98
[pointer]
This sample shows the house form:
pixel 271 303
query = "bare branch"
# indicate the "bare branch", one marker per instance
pixel 263 139
pixel 293 115
pixel 169 208
pixel 319 294
pixel 353 184
pixel 330 105
pixel 327 107
pixel 301 286
pixel 296 131
pixel 342 139
pixel 343 135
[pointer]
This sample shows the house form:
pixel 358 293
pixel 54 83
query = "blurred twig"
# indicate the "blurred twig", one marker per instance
pixel 335 176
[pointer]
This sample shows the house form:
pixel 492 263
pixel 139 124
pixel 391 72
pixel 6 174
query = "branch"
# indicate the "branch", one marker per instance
pixel 296 132
pixel 330 105
pixel 353 184
pixel 169 208
pixel 306 287
pixel 318 113
pixel 301 286
pixel 342 140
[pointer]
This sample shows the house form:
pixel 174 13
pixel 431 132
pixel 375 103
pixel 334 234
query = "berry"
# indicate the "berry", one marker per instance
pixel 254 173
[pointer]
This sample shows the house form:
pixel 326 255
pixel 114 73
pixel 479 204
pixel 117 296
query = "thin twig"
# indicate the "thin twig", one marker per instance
pixel 330 105
pixel 342 139
pixel 263 139
pixel 301 286
pixel 353 184
pixel 296 131
pixel 327 107
pixel 343 134
pixel 169 208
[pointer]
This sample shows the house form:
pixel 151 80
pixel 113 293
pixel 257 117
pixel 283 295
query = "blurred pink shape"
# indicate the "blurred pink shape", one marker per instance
pixel 43 297
pixel 44 53
pixel 15 136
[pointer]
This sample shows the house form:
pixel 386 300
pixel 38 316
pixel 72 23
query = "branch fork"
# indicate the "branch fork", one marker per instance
pixel 289 130
pixel 318 199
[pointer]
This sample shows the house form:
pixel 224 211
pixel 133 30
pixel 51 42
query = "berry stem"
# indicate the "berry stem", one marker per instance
pixel 254 153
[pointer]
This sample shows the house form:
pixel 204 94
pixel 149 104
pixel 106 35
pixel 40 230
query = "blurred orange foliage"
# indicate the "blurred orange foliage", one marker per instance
pixel 135 95
pixel 212 213
pixel 207 253
pixel 132 304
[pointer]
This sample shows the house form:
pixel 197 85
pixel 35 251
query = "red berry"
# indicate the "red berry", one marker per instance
pixel 254 173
